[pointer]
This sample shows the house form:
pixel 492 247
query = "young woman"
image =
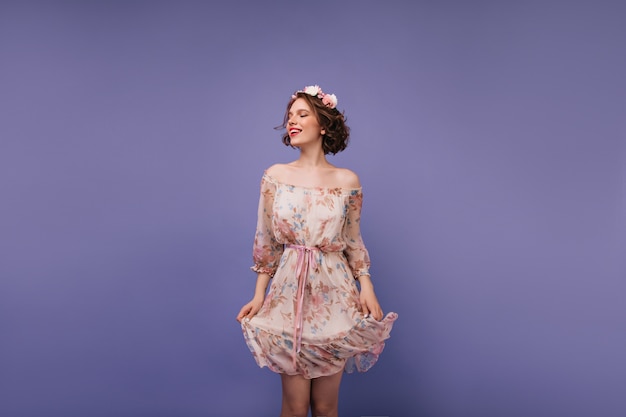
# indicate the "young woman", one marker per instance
pixel 313 323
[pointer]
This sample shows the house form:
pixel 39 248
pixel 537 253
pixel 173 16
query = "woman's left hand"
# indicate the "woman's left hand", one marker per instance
pixel 369 302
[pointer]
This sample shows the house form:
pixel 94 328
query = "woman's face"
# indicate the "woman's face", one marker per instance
pixel 302 125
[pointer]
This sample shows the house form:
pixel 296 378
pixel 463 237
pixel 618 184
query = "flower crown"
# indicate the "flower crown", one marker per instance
pixel 329 100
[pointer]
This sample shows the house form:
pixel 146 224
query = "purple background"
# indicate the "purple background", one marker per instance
pixel 488 135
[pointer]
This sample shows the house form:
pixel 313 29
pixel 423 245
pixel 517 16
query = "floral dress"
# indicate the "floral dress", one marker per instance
pixel 308 239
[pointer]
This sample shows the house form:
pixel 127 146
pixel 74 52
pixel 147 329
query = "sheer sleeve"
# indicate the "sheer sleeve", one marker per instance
pixel 355 251
pixel 266 251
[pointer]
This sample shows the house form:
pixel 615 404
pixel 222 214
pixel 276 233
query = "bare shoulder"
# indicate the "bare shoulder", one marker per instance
pixel 277 171
pixel 347 178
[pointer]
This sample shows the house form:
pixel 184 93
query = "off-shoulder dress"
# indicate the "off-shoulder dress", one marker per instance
pixel 311 323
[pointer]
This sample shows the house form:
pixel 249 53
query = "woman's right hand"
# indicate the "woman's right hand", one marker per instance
pixel 249 310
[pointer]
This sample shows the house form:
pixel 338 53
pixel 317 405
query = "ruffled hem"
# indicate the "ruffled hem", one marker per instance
pixel 263 270
pixel 357 349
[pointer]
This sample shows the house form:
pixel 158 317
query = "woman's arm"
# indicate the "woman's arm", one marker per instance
pixel 358 257
pixel 266 251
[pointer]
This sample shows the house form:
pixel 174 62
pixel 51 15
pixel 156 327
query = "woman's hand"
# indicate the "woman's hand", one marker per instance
pixel 369 302
pixel 253 307
pixel 250 309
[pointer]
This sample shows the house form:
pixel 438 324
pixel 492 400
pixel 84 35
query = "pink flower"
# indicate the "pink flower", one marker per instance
pixel 317 300
pixel 330 100
pixel 316 305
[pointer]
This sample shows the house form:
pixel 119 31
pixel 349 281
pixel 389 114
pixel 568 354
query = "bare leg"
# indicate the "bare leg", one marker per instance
pixel 325 395
pixel 296 396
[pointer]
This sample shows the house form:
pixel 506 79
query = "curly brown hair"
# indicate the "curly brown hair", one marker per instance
pixel 337 133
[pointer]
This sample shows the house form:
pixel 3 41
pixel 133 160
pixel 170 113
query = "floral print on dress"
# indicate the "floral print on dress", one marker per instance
pixel 311 323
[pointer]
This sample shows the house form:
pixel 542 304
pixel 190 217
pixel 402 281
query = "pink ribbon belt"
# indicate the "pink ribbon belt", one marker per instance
pixel 306 261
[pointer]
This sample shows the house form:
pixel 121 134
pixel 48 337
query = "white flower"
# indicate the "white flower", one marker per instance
pixel 312 90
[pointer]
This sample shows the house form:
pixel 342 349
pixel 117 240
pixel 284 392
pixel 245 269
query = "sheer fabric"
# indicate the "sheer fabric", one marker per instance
pixel 308 239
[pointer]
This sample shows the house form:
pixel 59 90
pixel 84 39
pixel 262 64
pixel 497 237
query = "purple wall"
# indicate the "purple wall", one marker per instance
pixel 489 137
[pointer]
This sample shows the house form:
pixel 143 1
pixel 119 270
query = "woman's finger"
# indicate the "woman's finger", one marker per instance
pixel 366 310
pixel 243 312
pixel 252 312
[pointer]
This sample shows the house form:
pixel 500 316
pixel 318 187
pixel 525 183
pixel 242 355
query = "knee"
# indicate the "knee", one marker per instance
pixel 324 409
pixel 297 409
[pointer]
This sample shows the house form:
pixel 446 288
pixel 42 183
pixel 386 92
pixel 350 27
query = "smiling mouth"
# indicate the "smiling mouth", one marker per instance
pixel 294 132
